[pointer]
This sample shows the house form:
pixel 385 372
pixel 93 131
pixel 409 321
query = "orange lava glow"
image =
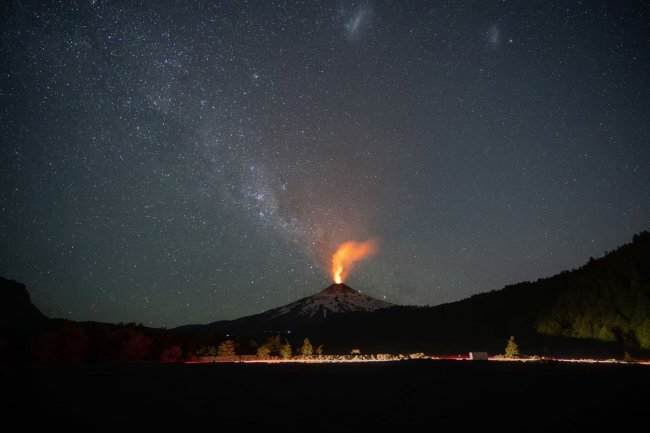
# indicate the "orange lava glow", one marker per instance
pixel 349 253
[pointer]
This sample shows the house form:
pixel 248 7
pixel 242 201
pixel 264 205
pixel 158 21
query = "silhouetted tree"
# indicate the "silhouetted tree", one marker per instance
pixel 306 349
pixel 67 342
pixel 512 350
pixel 273 344
pixel 319 350
pixel 206 350
pixel 227 348
pixel 172 354
pixel 643 333
pixel 263 351
pixel 137 346
pixel 285 350
pixel 127 344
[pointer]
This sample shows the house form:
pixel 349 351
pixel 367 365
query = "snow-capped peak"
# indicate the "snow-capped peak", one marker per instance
pixel 337 298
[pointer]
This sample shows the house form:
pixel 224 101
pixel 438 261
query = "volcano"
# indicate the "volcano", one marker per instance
pixel 335 299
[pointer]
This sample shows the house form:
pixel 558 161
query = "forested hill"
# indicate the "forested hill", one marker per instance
pixel 603 304
pixel 607 299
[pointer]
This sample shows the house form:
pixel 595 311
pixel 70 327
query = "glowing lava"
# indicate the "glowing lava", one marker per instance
pixel 347 254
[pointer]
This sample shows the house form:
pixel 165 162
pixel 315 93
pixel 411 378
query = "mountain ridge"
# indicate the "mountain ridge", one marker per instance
pixel 309 310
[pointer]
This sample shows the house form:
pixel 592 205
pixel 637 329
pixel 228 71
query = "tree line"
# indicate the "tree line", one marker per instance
pixel 72 342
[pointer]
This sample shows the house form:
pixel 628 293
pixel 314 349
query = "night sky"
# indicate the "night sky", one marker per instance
pixel 185 162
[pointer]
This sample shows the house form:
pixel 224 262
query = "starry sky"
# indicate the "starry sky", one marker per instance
pixel 176 162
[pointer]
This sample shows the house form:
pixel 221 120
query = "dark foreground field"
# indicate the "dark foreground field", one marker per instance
pixel 400 396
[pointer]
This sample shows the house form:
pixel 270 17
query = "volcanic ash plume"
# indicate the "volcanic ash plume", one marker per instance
pixel 347 254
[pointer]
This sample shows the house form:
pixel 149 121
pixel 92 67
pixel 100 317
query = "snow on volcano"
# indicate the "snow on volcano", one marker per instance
pixel 337 298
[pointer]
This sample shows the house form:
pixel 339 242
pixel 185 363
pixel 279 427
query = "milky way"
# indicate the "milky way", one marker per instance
pixel 177 162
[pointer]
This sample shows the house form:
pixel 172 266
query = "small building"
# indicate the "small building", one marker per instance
pixel 355 352
pixel 478 356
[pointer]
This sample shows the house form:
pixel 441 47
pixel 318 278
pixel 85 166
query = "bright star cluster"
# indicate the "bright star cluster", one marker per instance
pixel 185 162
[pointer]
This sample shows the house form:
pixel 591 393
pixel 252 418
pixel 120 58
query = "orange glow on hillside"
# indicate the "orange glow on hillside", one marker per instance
pixel 347 254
